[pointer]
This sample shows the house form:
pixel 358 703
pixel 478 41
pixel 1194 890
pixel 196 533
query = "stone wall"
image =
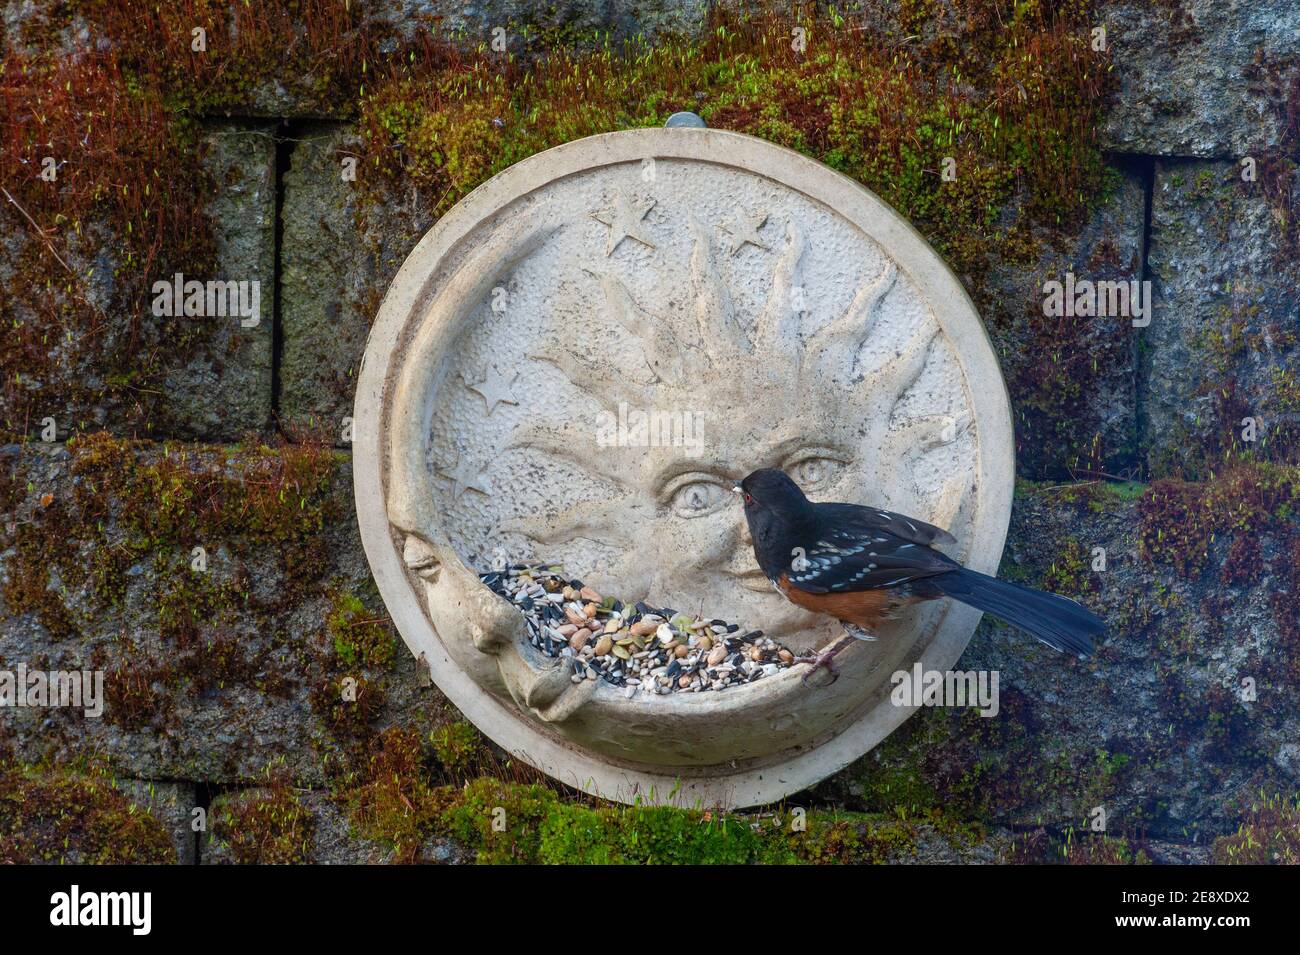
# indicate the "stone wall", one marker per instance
pixel 264 685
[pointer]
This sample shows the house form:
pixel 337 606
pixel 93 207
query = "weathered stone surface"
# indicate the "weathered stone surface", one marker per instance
pixel 1223 341
pixel 1154 727
pixel 209 676
pixel 326 275
pixel 1072 380
pixel 226 391
pixel 119 365
pixel 1206 78
pixel 265 825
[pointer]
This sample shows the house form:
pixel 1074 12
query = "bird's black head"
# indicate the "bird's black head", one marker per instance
pixel 771 488
pixel 777 513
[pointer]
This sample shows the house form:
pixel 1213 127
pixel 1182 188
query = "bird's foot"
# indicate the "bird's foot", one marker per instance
pixel 825 659
pixel 858 633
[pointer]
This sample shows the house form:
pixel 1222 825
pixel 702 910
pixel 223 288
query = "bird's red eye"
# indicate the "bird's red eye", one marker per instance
pixel 749 498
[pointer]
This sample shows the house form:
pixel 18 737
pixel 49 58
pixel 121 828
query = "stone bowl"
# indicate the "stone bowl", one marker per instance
pixel 760 310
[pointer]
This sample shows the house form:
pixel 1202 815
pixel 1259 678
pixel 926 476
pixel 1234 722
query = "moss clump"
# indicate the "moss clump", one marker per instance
pixel 1100 849
pixel 59 816
pixel 501 821
pixel 1183 524
pixel 117 537
pixel 130 180
pixel 265 826
pixel 1268 835
pixel 396 801
pixel 1071 571
pixel 358 636
pixel 1073 847
pixel 399 804
pixel 318 50
pixel 459 748
pixel 508 822
pixel 1013 103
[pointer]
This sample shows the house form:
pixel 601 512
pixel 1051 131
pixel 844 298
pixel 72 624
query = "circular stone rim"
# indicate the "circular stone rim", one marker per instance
pixel 408 296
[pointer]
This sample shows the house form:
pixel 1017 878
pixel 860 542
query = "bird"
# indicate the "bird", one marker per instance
pixel 862 565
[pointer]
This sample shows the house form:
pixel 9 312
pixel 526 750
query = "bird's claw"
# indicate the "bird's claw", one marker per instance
pixel 817 661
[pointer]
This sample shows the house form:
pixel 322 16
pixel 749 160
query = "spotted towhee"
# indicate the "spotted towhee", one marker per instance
pixel 862 565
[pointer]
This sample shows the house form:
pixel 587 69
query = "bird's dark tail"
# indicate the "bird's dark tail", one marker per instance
pixel 1059 622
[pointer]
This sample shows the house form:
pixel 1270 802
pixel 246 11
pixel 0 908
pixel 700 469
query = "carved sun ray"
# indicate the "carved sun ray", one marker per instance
pixel 706 355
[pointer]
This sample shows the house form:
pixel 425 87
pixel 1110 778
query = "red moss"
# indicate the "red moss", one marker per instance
pixel 129 180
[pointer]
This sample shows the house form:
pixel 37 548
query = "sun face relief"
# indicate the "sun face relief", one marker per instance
pixel 711 341
pixel 591 360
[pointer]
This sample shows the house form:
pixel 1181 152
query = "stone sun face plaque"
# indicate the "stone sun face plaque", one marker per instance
pixel 578 362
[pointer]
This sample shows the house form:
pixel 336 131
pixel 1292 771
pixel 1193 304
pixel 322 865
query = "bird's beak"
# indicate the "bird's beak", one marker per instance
pixel 735 489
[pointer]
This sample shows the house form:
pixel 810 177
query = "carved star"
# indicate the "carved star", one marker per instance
pixel 743 229
pixel 624 222
pixel 495 389
pixel 464 477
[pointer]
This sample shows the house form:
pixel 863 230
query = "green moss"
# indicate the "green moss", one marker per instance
pixel 1071 571
pixel 50 815
pixel 131 503
pixel 1116 492
pixel 458 746
pixel 1268 835
pixel 395 802
pixel 513 823
pixel 358 635
pixel 1082 848
pixel 265 826
pixel 399 804
pixel 501 821
pixel 126 518
pixel 1012 103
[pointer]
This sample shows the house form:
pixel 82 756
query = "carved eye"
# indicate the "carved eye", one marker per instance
pixel 698 498
pixel 815 472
